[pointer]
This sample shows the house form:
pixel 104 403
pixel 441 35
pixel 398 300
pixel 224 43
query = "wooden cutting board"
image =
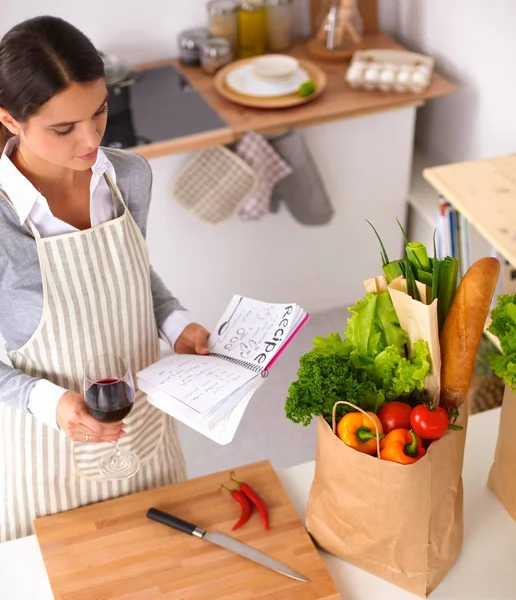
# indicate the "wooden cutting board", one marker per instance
pixel 111 551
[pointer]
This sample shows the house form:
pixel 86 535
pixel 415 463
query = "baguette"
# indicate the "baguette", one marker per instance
pixel 463 329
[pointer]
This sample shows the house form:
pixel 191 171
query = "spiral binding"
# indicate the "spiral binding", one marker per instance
pixel 242 363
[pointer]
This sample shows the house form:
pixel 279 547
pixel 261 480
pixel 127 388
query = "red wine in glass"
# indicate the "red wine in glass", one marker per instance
pixel 110 400
pixel 109 394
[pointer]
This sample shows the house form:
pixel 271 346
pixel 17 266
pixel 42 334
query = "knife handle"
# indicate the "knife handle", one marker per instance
pixel 166 519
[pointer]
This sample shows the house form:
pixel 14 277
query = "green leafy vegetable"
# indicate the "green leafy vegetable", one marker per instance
pixel 322 380
pixel 363 331
pixel 503 325
pixel 333 344
pixel 367 367
pixel 400 376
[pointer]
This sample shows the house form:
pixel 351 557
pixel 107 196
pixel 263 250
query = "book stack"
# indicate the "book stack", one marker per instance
pixel 452 239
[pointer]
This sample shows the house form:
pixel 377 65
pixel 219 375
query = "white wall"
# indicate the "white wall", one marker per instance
pixel 364 162
pixel 137 30
pixel 474 44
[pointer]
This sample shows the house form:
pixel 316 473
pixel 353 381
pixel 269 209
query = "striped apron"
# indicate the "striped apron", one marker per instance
pixel 97 300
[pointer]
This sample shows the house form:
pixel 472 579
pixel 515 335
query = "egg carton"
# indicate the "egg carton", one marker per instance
pixel 390 71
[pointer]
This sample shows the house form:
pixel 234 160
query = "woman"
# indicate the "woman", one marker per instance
pixel 74 282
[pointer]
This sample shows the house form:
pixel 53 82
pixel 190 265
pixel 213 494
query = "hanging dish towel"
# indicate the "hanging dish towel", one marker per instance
pixel 214 184
pixel 303 191
pixel 270 169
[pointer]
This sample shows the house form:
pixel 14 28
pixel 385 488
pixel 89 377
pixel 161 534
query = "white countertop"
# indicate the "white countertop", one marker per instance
pixel 484 570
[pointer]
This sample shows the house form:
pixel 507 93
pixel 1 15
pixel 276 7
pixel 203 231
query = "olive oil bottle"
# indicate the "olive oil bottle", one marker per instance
pixel 252 28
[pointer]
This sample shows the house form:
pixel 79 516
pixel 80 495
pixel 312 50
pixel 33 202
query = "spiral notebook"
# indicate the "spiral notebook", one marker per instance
pixel 210 393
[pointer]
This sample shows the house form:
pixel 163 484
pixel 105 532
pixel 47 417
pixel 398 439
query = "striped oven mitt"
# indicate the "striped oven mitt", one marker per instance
pixel 270 168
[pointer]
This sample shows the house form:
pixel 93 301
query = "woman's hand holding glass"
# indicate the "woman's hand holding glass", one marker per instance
pixel 75 420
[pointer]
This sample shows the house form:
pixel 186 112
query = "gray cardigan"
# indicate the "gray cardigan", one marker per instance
pixel 21 291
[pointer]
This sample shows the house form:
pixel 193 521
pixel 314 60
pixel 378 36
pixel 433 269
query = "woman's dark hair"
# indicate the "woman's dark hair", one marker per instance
pixel 38 59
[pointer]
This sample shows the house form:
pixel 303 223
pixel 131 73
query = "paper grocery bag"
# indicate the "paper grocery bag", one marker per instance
pixel 502 477
pixel 403 523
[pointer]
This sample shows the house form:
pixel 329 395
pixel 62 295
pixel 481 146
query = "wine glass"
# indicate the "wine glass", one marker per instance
pixel 109 392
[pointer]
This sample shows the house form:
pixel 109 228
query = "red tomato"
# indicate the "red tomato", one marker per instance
pixel 394 415
pixel 429 424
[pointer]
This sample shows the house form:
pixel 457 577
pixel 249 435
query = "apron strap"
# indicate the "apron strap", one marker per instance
pixel 115 194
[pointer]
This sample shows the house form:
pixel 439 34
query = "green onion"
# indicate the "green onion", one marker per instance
pixel 425 278
pixel 383 254
pixel 446 287
pixel 411 281
pixel 418 257
pixel 402 231
pixel 436 268
pixel 394 269
pixel 436 278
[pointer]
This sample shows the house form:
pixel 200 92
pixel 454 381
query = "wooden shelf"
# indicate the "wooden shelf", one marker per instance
pixel 339 101
pixel 484 192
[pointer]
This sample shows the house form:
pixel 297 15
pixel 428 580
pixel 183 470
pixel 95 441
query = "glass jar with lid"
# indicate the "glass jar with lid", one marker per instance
pixel 190 42
pixel 339 26
pixel 222 17
pixel 252 28
pixel 215 54
pixel 279 24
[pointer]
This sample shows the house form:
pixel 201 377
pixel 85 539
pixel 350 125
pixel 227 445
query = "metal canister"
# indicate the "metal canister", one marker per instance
pixel 190 42
pixel 215 53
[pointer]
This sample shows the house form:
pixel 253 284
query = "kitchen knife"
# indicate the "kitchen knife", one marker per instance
pixel 224 541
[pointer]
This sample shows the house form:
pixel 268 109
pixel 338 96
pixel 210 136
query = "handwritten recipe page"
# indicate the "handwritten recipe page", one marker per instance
pixel 253 331
pixel 200 382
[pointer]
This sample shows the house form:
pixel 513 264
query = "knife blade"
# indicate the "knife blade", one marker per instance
pixel 225 541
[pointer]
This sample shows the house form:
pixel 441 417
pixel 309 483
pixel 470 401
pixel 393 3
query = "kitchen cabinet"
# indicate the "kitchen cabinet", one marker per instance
pixel 339 101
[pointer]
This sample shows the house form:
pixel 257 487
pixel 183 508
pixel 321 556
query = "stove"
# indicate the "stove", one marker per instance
pixel 160 105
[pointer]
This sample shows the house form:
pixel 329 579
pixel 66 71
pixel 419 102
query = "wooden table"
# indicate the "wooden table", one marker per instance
pixel 339 101
pixel 484 570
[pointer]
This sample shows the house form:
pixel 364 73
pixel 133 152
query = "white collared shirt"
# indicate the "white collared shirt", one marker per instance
pixel 30 203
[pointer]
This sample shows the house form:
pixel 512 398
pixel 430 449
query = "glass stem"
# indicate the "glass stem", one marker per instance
pixel 117 453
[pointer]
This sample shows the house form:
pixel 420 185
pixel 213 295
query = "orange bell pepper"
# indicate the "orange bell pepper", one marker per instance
pixel 357 431
pixel 402 446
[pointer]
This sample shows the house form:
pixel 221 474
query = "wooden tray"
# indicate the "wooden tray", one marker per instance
pixel 111 551
pixel 316 74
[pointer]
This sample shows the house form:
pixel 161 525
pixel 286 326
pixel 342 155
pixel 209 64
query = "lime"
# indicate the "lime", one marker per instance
pixel 306 89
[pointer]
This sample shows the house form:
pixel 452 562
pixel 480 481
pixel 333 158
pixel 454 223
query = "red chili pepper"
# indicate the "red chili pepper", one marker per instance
pixel 245 505
pixel 255 498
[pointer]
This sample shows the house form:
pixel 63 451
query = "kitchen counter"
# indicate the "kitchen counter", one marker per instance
pixel 339 101
pixel 484 570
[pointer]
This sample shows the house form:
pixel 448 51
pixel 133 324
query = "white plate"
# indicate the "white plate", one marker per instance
pixel 243 81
